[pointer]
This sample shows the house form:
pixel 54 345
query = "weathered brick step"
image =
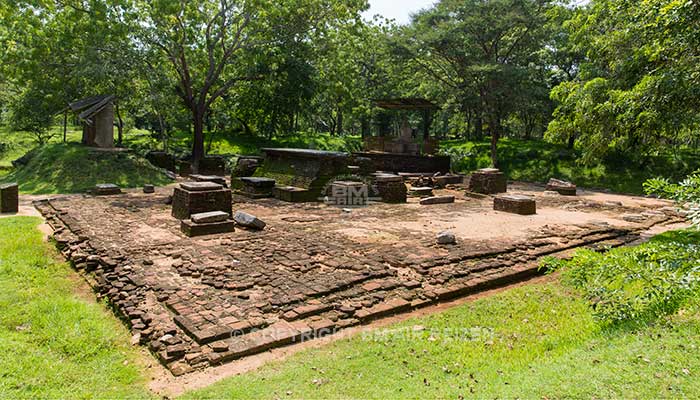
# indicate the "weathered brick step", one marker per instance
pixel 206 336
pixel 497 278
pixel 280 334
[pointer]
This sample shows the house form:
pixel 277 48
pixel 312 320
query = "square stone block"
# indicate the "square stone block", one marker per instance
pixel 192 229
pixel 391 188
pixel 209 178
pixel 9 198
pixel 192 199
pixel 488 181
pixel 292 194
pixel 515 204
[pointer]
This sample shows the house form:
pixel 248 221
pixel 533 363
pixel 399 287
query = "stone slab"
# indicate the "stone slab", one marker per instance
pixel 258 182
pixel 209 217
pixel 201 186
pixel 106 189
pixel 192 229
pixel 437 200
pixel 515 204
pixel 564 188
pixel 209 178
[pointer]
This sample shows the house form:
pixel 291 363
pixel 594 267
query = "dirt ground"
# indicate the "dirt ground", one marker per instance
pixel 316 270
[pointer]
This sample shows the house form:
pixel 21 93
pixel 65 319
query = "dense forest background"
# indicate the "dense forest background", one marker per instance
pixel 605 78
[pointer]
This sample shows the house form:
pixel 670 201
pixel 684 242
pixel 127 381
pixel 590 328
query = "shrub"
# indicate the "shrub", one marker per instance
pixel 685 193
pixel 637 284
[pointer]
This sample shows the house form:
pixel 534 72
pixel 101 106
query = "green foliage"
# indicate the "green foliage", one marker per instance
pixel 537 161
pixel 637 86
pixel 72 168
pixel 54 344
pixel 639 284
pixel 686 193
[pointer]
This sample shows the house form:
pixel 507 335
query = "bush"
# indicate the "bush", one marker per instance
pixel 685 193
pixel 637 284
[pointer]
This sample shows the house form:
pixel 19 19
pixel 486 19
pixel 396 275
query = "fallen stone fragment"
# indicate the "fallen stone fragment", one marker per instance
pixel 564 188
pixel 248 220
pixel 437 200
pixel 148 189
pixel 209 217
pixel 444 238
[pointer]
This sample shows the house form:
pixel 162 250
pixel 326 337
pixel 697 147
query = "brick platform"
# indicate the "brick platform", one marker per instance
pixel 515 204
pixel 199 302
pixel 9 198
pixel 200 197
pixel 488 181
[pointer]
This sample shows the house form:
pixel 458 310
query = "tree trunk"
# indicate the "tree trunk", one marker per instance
pixel 572 141
pixel 340 122
pixel 495 136
pixel 198 144
pixel 163 133
pixel 479 128
pixel 65 126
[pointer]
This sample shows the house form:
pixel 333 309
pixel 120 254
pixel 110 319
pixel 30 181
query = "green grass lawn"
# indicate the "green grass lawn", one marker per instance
pixel 534 341
pixel 72 168
pixel 537 341
pixel 54 344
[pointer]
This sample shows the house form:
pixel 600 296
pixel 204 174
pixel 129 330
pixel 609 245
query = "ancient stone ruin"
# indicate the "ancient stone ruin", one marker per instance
pixel 96 115
pixel 199 302
pixel 9 198
pixel 488 181
pixel 515 204
pixel 200 197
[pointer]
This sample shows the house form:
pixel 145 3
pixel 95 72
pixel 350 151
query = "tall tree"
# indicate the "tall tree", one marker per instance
pixel 637 88
pixel 481 50
pixel 206 41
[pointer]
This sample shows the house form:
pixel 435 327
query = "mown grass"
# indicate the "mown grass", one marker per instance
pixel 54 344
pixel 536 341
pixel 538 161
pixel 72 168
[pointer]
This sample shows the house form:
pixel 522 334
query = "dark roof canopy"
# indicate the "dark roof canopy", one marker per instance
pixel 91 105
pixel 405 104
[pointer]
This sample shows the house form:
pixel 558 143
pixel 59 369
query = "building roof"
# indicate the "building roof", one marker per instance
pixel 405 104
pixel 90 106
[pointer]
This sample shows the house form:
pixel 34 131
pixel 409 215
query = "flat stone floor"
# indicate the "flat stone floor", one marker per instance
pixel 315 269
